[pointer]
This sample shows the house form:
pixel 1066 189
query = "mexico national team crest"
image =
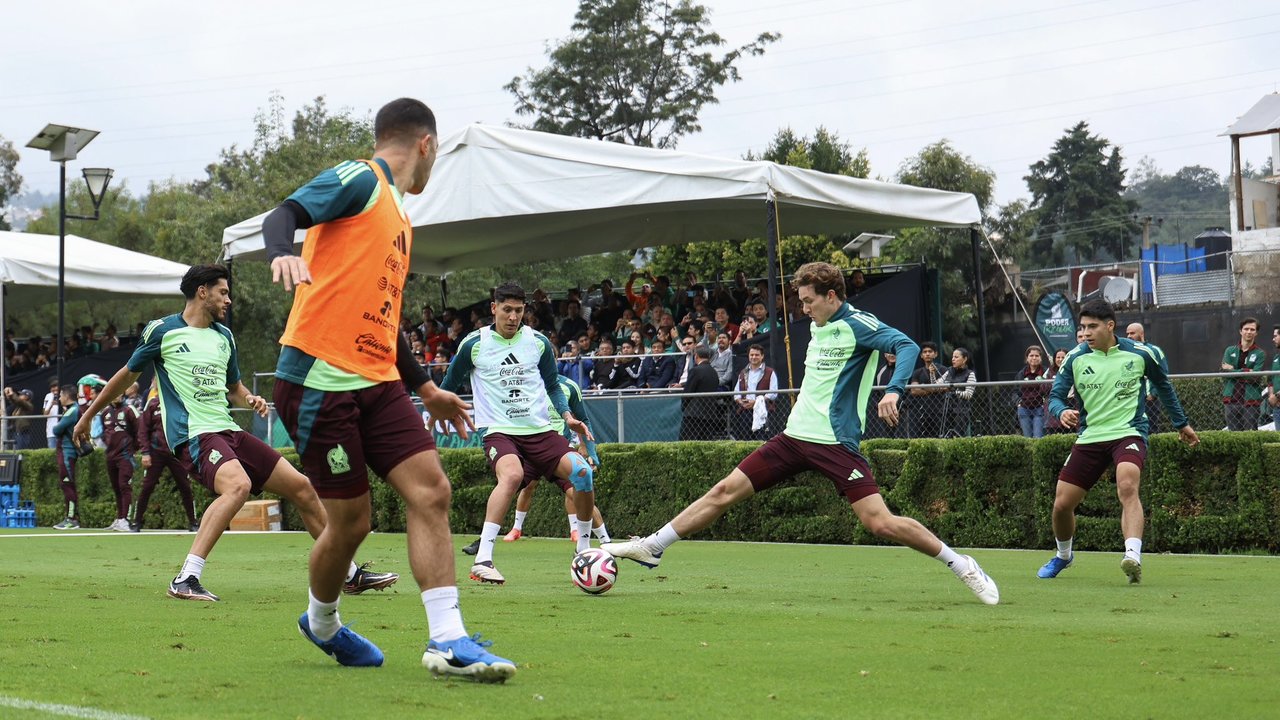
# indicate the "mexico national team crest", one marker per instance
pixel 339 462
pixel 214 457
pixel 493 453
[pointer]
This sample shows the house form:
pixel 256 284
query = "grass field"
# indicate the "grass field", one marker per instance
pixel 719 630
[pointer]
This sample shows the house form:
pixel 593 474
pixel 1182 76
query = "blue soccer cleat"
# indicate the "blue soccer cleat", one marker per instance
pixel 347 647
pixel 467 656
pixel 1055 566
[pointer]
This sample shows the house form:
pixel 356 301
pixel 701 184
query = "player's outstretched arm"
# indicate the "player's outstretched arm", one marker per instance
pixel 114 388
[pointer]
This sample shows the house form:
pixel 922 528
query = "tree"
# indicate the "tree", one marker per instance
pixel 824 152
pixel 1077 193
pixel 10 180
pixel 942 167
pixel 1188 201
pixel 633 71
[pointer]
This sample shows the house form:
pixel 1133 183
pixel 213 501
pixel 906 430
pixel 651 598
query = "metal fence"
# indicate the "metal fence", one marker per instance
pixel 993 409
pixel 631 416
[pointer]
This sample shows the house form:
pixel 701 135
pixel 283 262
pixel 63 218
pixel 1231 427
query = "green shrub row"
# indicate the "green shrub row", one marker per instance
pixel 1222 496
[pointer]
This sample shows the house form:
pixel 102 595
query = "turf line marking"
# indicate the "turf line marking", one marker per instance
pixel 144 532
pixel 65 710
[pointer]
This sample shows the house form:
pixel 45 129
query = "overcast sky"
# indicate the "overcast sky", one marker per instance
pixel 170 84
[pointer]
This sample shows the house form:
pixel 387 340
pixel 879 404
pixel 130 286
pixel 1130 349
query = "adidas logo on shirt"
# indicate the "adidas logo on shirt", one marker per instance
pixel 182 348
pixel 511 359
pixel 1087 371
pixel 1133 446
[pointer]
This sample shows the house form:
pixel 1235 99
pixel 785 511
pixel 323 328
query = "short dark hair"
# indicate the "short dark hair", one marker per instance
pixel 929 345
pixel 202 276
pixel 702 351
pixel 1099 310
pixel 403 119
pixel 508 291
pixel 756 346
pixel 1248 320
pixel 68 390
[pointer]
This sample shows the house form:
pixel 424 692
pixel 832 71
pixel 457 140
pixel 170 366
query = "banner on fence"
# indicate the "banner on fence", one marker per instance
pixel 1056 322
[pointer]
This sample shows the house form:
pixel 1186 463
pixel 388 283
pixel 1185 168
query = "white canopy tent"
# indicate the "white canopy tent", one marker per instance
pixel 502 195
pixel 29 271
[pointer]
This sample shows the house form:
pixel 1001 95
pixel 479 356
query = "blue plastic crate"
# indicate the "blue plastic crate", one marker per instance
pixel 27 514
pixel 9 496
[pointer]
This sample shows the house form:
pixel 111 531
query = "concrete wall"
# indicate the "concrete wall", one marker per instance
pixel 1259 195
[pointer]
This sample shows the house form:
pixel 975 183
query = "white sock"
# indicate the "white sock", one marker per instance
pixel 519 524
pixel 1064 548
pixel 193 566
pixel 953 560
pixel 584 534
pixel 487 536
pixel 351 572
pixel 444 618
pixel 1133 546
pixel 661 540
pixel 323 617
pixel 573 522
pixel 602 532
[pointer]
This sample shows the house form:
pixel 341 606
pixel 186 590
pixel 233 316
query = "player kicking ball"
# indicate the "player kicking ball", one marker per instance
pixel 1110 376
pixel 586 448
pixel 513 373
pixel 823 434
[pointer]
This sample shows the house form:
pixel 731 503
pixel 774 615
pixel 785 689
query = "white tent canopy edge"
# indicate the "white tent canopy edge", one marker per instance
pixel 504 195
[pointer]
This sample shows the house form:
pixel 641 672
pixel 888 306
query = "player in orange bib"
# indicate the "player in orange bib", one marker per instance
pixel 341 385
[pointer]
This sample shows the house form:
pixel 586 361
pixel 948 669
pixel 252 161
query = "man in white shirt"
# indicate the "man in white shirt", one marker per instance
pixel 754 412
pixel 52 410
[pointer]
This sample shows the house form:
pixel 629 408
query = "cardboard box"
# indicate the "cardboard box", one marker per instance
pixel 258 515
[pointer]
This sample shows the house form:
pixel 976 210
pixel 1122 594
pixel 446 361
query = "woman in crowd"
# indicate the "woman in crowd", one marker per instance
pixel 1052 425
pixel 963 382
pixel 1032 395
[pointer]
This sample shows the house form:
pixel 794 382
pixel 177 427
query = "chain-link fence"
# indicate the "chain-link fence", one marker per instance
pixel 937 411
pixel 934 411
pixel 29 432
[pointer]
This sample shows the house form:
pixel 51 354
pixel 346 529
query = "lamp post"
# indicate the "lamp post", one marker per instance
pixel 63 143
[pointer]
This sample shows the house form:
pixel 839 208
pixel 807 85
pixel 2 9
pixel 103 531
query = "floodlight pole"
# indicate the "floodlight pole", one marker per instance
pixel 62 265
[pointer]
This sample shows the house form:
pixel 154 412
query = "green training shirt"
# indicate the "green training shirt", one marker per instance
pixel 515 381
pixel 839 371
pixel 1111 386
pixel 195 368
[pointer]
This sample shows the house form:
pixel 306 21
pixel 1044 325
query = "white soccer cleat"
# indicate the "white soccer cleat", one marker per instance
pixel 980 583
pixel 485 572
pixel 1132 568
pixel 120 525
pixel 634 550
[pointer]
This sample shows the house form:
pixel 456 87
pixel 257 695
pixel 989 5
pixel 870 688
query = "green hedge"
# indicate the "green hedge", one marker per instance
pixel 974 492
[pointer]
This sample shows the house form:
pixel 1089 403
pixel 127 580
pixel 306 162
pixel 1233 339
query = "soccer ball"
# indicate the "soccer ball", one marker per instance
pixel 594 571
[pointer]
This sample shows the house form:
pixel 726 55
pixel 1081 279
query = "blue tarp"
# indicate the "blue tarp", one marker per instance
pixel 1171 260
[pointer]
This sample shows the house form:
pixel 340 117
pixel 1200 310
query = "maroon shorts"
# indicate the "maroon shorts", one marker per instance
pixel 1087 462
pixel 531 475
pixel 539 454
pixel 784 456
pixel 340 435
pixel 207 452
